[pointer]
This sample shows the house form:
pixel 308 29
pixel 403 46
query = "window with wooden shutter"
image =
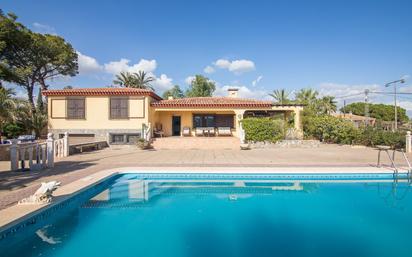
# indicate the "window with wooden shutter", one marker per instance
pixel 119 108
pixel 225 120
pixel 76 108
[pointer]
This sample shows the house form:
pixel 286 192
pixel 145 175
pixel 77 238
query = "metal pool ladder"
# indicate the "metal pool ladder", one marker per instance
pixel 409 165
pixel 392 159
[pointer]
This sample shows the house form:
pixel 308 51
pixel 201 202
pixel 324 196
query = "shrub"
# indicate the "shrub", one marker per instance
pixel 372 137
pixel 330 129
pixel 13 130
pixel 263 129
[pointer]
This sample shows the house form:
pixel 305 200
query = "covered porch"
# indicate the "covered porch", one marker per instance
pixel 195 123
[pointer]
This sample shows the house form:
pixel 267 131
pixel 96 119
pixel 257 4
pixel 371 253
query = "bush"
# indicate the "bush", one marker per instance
pixel 13 130
pixel 330 129
pixel 372 137
pixel 263 129
pixel 336 130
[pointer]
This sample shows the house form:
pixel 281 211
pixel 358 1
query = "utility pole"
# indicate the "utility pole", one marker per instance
pixel 396 109
pixel 344 108
pixel 394 99
pixel 366 108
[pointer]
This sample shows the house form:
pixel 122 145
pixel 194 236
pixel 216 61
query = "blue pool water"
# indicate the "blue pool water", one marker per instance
pixel 158 217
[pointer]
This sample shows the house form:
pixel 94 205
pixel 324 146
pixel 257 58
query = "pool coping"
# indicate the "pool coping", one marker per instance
pixel 16 214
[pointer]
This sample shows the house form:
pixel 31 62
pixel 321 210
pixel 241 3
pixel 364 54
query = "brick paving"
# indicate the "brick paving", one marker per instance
pixel 17 185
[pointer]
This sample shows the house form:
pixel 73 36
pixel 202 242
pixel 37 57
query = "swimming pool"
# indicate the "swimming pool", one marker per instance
pixel 224 215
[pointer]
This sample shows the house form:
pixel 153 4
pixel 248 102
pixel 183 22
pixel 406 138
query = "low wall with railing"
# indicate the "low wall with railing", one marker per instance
pixel 37 156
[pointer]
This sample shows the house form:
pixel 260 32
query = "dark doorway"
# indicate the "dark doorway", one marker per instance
pixel 176 125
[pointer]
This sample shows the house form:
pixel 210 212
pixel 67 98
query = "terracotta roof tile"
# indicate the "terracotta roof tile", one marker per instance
pixel 108 91
pixel 204 102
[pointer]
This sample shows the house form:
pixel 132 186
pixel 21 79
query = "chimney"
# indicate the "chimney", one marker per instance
pixel 232 92
pixel 170 97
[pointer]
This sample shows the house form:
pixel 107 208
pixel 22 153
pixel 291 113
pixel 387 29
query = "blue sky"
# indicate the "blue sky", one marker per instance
pixel 337 47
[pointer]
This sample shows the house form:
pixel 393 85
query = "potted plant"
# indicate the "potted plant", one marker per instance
pixel 143 144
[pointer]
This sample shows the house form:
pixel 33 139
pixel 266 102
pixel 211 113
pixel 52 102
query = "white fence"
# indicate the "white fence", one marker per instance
pixel 37 156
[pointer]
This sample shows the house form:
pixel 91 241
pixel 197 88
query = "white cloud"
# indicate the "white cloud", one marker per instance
pixel 189 79
pixel 236 66
pixel 163 83
pixel 345 91
pixel 122 65
pixel 256 81
pixel 209 69
pixel 406 104
pixel 88 64
pixel 356 93
pixel 244 92
pixel 222 63
pixel 43 28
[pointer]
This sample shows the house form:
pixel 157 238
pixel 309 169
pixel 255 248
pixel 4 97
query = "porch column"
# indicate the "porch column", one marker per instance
pixel 297 121
pixel 239 116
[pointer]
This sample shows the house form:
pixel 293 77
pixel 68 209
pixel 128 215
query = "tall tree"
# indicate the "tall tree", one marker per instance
pixel 306 96
pixel 201 87
pixel 40 102
pixel 281 96
pixel 29 59
pixel 139 79
pixel 383 112
pixel 174 92
pixel 125 79
pixel 144 80
pixel 7 105
pixel 326 105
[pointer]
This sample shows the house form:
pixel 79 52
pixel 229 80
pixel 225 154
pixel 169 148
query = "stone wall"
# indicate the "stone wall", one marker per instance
pixel 99 134
pixel 287 144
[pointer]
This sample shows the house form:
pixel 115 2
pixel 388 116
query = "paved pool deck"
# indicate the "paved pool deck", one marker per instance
pixel 327 158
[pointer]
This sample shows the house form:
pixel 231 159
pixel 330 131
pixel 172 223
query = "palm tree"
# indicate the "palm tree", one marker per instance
pixel 7 103
pixel 7 106
pixel 125 79
pixel 307 96
pixel 327 104
pixel 280 96
pixel 144 80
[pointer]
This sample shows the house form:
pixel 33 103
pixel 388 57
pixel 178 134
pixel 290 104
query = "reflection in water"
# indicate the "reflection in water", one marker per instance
pixel 141 191
pixel 43 233
pixel 393 193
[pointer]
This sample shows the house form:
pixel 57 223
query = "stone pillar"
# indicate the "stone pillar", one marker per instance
pixel 238 117
pixel 14 161
pixel 30 149
pixel 242 135
pixel 66 144
pixel 408 142
pixel 297 120
pixel 50 150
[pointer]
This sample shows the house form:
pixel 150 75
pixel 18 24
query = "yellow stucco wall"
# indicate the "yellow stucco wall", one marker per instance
pixel 97 114
pixel 140 112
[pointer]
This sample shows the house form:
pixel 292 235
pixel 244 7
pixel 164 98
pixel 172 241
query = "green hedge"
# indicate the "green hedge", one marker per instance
pixel 372 137
pixel 336 130
pixel 263 129
pixel 330 129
